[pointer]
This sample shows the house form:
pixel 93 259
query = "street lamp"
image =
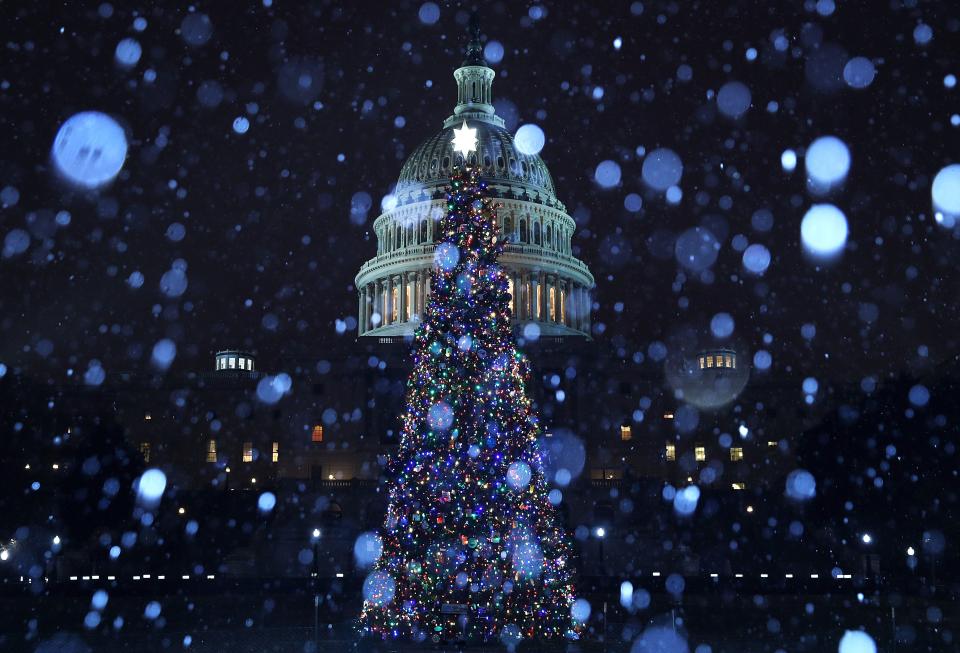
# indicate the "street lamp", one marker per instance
pixel 600 533
pixel 315 538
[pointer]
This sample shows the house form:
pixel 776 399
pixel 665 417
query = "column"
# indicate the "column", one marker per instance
pixel 523 294
pixel 362 305
pixel 403 297
pixel 377 301
pixel 414 292
pixel 388 301
pixel 368 306
pixel 585 303
pixel 426 291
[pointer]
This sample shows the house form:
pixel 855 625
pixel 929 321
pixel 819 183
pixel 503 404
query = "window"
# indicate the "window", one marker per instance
pixel 728 362
pixel 275 457
pixel 700 453
pixel 211 451
pixel 671 451
pixel 668 416
pixel 703 362
pixel 147 417
pixel 736 453
pixel 739 486
pixel 772 443
pixel 733 361
pixel 145 451
pixel 626 432
pixel 709 361
pixel 243 363
pixel 248 452
pixel 317 434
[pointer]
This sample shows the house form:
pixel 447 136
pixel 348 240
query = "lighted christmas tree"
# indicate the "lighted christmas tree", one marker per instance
pixel 472 547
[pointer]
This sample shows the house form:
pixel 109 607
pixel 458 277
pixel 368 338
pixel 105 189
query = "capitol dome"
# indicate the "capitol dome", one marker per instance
pixel 549 286
pixel 507 171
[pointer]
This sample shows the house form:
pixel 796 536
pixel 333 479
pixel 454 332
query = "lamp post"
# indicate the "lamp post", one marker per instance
pixel 600 533
pixel 315 539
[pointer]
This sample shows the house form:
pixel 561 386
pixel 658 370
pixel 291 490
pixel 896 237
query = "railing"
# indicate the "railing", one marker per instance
pixel 414 252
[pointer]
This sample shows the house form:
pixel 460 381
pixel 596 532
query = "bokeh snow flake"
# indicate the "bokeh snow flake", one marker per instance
pixel 824 230
pixel 90 149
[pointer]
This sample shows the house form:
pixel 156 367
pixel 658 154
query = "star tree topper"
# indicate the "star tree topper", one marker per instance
pixel 465 139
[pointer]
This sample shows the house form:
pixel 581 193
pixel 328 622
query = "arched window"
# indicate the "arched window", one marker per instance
pixel 398 234
pixel 423 231
pixel 549 235
pixel 536 233
pixel 523 231
pixel 508 227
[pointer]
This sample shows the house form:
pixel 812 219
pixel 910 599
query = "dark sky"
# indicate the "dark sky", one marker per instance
pixel 266 214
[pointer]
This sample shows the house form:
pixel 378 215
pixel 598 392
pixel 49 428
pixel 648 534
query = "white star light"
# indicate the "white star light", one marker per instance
pixel 465 139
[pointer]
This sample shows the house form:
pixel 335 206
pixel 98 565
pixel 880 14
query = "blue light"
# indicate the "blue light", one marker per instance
pixel 267 501
pixel 721 325
pixel 90 149
pixel 529 139
pixel 801 485
pixel 151 485
pixel 607 174
pixel 128 52
pixel 756 258
pixel 429 13
pixel 824 230
pixel 662 169
pixel 859 72
pixel 788 160
pixel 733 99
pixel 241 125
pixel 945 190
pixel 828 162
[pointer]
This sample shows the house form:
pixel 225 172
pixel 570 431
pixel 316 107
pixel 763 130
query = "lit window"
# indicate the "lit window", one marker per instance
pixel 668 416
pixel 317 434
pixel 772 443
pixel 147 417
pixel 736 453
pixel 243 363
pixel 739 486
pixel 626 433
pixel 709 361
pixel 145 451
pixel 729 360
pixel 276 452
pixel 700 453
pixel 248 452
pixel 703 362
pixel 671 451
pixel 734 359
pixel 211 451
pixel 233 363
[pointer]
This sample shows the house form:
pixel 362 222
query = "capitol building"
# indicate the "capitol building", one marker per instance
pixel 550 287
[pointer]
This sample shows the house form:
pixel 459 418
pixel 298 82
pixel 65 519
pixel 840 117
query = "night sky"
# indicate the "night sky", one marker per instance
pixel 265 216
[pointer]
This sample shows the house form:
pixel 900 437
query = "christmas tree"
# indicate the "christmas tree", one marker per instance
pixel 472 548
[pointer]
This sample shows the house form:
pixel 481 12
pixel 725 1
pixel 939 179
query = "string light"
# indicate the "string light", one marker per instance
pixel 468 551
